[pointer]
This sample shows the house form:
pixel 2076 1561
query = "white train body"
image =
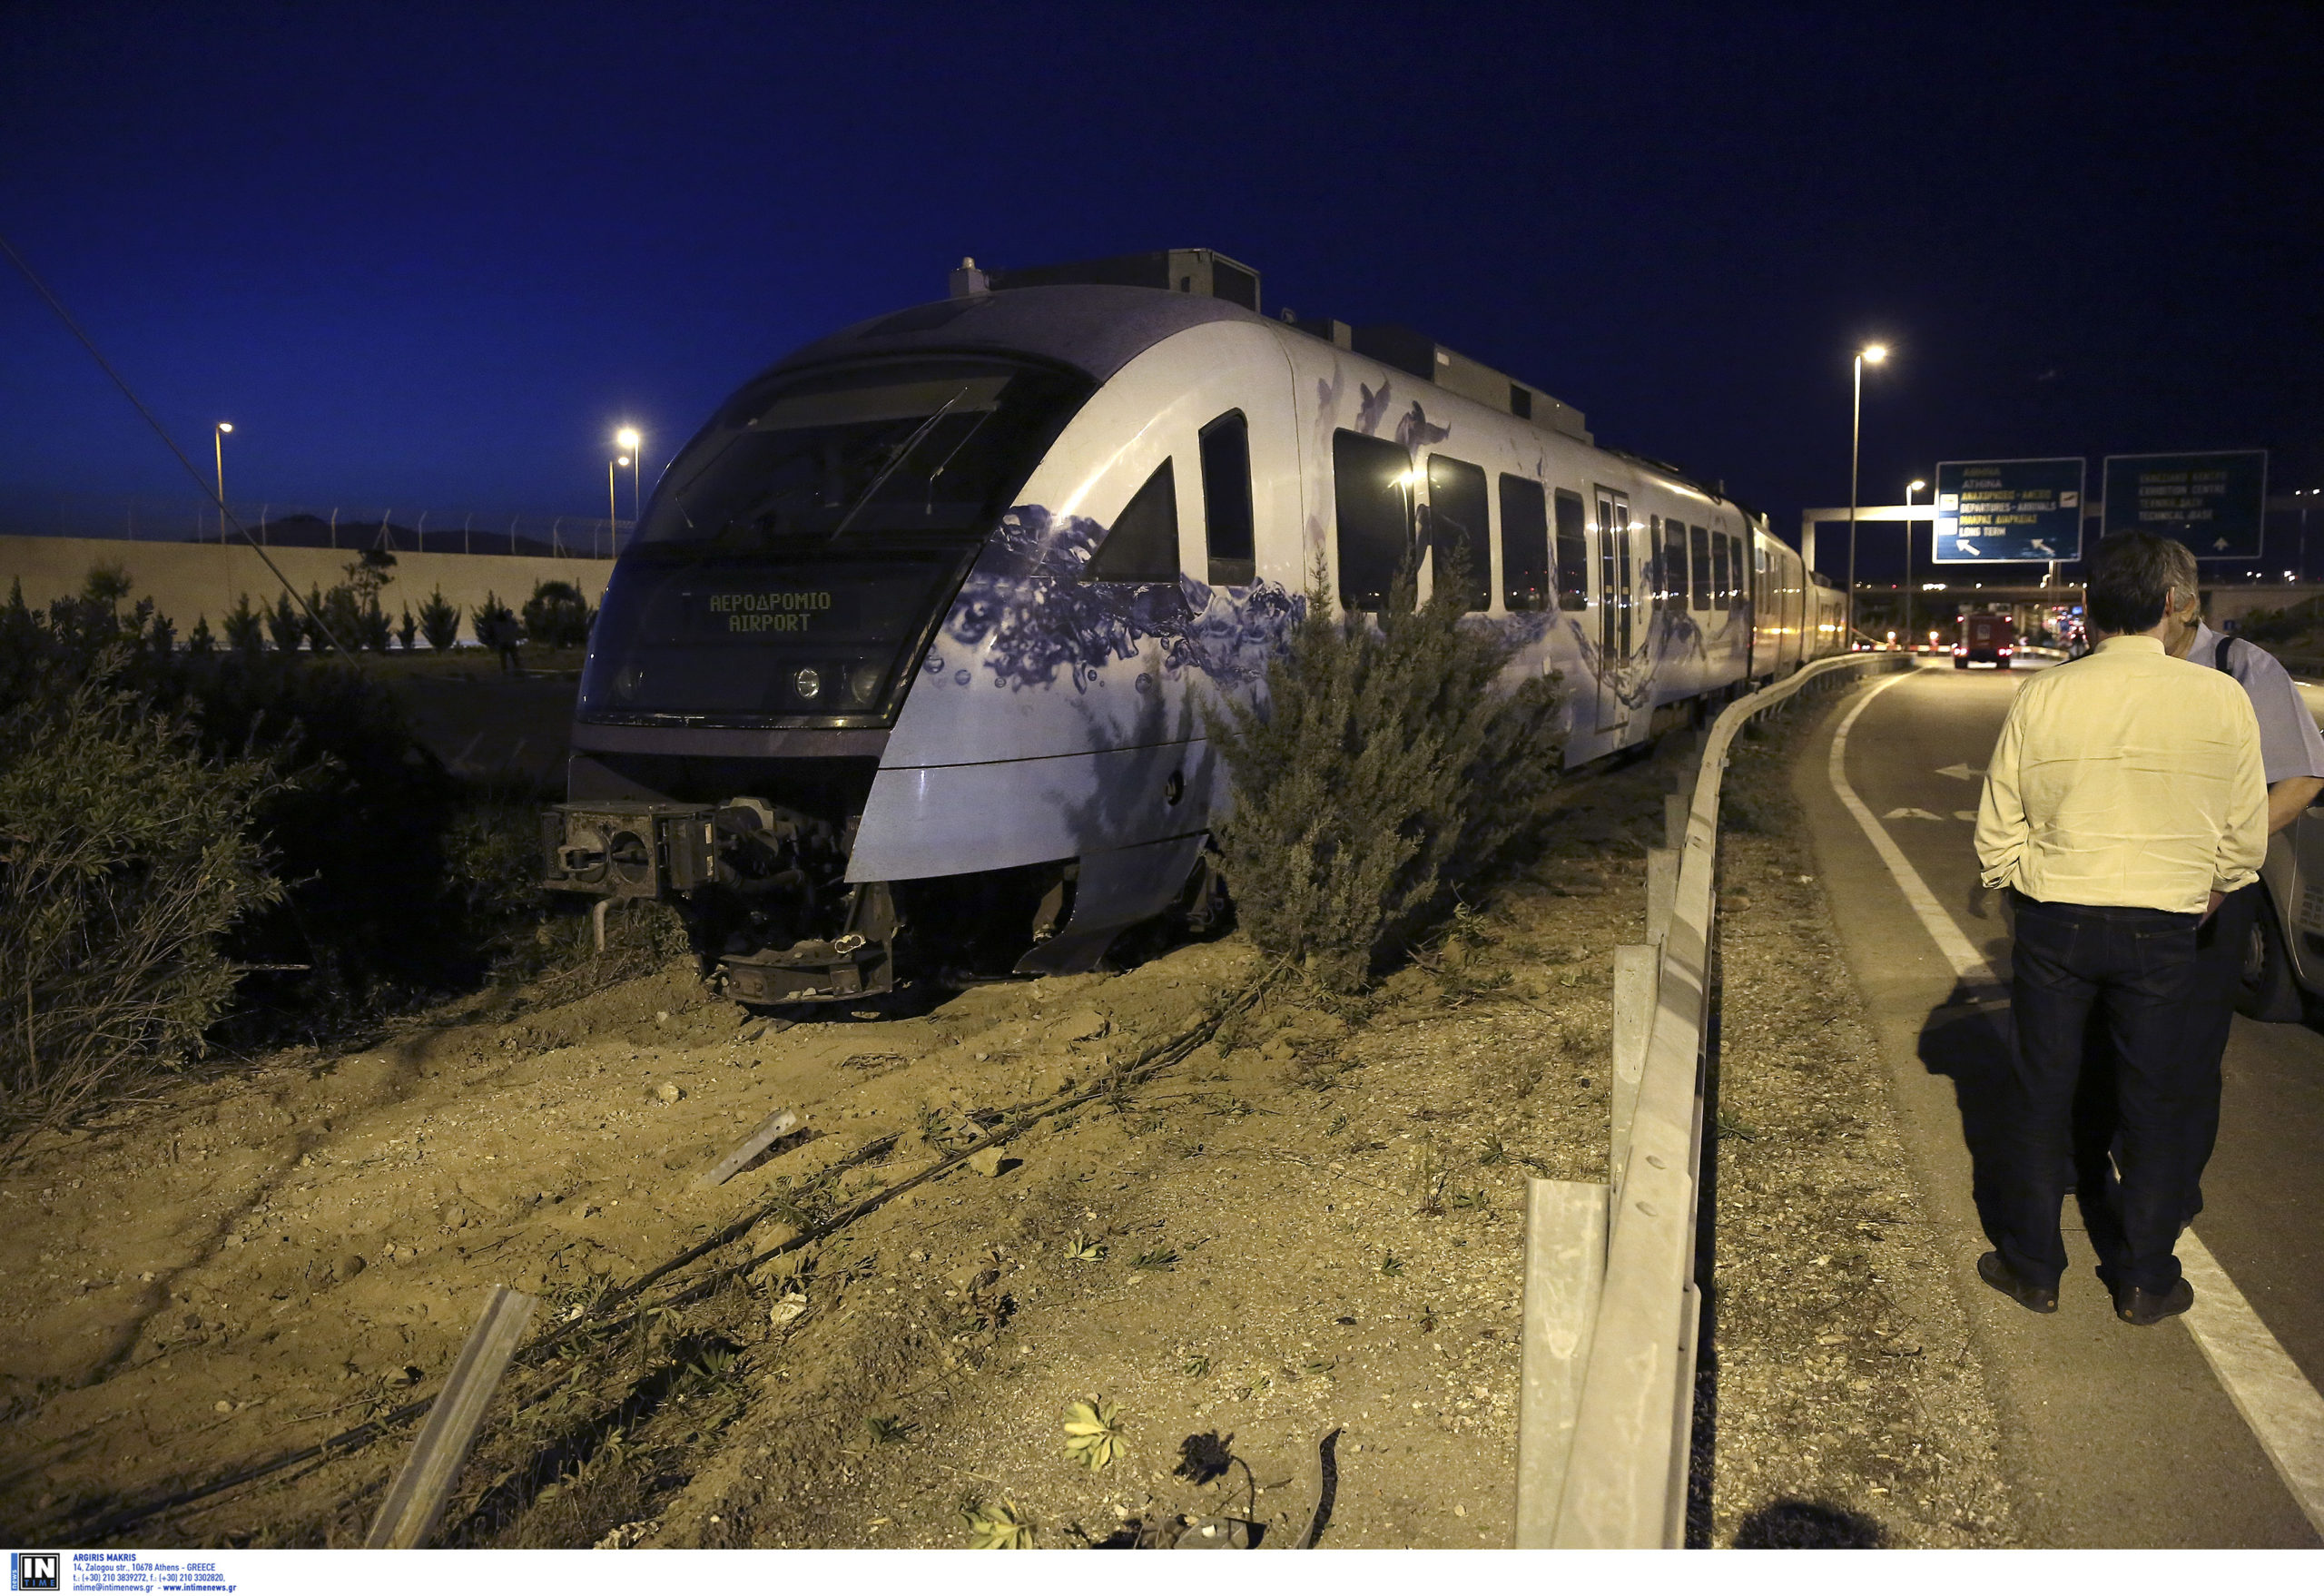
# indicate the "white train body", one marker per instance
pixel 1042 721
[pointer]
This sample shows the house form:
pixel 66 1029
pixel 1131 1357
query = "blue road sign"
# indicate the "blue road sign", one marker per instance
pixel 2216 504
pixel 1992 510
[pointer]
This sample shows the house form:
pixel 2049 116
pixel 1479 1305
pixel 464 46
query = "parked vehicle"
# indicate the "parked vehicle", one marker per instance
pixel 2283 966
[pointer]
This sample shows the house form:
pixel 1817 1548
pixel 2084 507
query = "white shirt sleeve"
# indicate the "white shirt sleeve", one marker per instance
pixel 2289 743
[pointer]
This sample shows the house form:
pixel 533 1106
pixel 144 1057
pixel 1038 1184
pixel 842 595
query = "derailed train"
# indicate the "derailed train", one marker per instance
pixel 913 637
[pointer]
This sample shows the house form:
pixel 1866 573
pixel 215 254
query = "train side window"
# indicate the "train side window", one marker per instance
pixel 1524 545
pixel 1227 500
pixel 1739 574
pixel 1652 557
pixel 1698 541
pixel 1674 564
pixel 1573 552
pixel 1374 514
pixel 1721 573
pixel 1142 545
pixel 1456 523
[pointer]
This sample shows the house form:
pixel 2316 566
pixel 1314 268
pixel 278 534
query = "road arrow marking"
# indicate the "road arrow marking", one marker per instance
pixel 1910 814
pixel 1962 772
pixel 1970 814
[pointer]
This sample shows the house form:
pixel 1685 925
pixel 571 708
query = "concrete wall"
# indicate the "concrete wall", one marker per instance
pixel 188 581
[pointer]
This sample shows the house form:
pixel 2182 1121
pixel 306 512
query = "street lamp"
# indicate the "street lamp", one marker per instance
pixel 613 513
pixel 1914 486
pixel 631 443
pixel 218 437
pixel 1870 354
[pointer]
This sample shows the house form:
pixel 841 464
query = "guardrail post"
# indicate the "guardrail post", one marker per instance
pixel 1675 808
pixel 416 1499
pixel 1565 1268
pixel 1637 982
pixel 1661 891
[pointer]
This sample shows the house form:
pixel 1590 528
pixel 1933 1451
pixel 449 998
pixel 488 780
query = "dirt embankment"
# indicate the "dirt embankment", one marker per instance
pixel 1311 1223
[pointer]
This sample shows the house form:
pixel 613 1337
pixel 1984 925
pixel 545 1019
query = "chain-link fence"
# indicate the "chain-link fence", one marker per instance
pixel 406 530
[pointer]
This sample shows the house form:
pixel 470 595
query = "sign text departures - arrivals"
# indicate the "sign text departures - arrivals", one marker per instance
pixel 1990 511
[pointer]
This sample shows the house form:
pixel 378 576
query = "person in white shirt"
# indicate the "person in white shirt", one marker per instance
pixel 2123 803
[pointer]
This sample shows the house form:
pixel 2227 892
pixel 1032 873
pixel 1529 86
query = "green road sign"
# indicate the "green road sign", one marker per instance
pixel 2018 510
pixel 2216 504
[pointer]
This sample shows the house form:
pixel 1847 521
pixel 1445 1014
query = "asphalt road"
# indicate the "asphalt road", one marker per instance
pixel 2118 1436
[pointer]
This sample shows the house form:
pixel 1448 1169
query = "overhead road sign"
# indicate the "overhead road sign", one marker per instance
pixel 1990 511
pixel 2216 503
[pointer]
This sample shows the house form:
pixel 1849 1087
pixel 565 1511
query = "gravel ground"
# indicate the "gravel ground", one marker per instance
pixel 1847 1403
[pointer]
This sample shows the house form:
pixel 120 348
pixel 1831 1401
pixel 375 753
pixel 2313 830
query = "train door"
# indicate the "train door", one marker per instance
pixel 1614 591
pixel 1755 561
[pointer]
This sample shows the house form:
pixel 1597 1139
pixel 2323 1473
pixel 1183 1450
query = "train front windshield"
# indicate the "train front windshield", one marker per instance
pixel 799 553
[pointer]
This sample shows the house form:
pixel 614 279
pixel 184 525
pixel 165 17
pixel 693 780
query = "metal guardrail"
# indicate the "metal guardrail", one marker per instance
pixel 1607 1399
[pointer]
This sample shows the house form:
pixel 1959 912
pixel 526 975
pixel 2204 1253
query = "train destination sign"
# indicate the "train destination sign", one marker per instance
pixel 2216 504
pixel 1989 510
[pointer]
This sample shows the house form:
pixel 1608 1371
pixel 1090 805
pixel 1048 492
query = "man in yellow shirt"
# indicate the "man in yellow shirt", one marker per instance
pixel 2124 800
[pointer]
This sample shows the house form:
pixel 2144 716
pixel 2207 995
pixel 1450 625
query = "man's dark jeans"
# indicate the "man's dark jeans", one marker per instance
pixel 2134 975
pixel 2221 945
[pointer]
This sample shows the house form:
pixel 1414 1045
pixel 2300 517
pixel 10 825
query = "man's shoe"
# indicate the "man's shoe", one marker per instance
pixel 1994 1271
pixel 2137 1305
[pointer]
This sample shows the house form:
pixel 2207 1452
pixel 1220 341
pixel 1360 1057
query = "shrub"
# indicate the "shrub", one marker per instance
pixel 1382 769
pixel 406 630
pixel 348 874
pixel 321 626
pixel 439 621
pixel 126 856
pixel 106 584
pixel 367 574
pixel 372 914
pixel 494 623
pixel 557 617
pixel 246 627
pixel 199 641
pixel 285 623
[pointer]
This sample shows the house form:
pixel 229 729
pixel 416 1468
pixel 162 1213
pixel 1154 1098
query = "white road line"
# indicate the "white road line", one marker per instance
pixel 1957 947
pixel 2266 1387
pixel 2283 1409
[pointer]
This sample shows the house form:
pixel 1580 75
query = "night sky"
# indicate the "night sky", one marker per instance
pixel 425 260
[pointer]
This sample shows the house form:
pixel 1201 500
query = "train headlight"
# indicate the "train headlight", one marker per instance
pixel 863 682
pixel 808 684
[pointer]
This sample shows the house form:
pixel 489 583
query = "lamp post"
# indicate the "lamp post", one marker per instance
pixel 1914 486
pixel 1871 354
pixel 613 513
pixel 631 443
pixel 218 439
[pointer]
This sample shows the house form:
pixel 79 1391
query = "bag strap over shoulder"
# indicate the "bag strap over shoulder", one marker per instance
pixel 2218 655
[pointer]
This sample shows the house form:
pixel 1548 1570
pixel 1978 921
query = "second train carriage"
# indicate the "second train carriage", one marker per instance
pixel 914 634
